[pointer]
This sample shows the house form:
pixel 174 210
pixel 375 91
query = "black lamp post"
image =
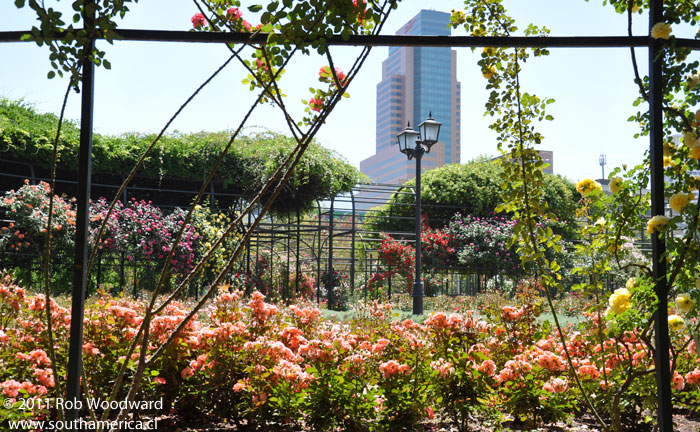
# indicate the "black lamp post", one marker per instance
pixel 411 145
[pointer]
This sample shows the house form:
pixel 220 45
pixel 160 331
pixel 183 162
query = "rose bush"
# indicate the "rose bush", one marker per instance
pixel 251 362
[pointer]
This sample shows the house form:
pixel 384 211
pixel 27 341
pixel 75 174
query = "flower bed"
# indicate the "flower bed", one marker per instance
pixel 248 361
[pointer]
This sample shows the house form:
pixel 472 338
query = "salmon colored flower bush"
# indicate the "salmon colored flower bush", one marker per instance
pixel 247 361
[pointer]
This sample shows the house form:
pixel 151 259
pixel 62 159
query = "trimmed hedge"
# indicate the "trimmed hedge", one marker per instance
pixel 27 136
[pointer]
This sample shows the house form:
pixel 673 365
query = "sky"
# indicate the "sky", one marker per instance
pixel 148 82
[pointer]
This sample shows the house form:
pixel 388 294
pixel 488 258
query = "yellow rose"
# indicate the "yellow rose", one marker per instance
pixel 695 153
pixel 619 301
pixel 657 223
pixel 678 201
pixel 669 149
pixel 588 186
pixel 684 303
pixel 668 162
pixel 631 282
pixel 691 196
pixel 488 72
pixel 635 8
pixel 675 322
pixel 697 116
pixel 661 30
pixel 623 294
pixel 615 184
pixel 693 81
pixel 690 138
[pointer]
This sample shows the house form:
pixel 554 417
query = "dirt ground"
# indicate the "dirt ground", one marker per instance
pixel 682 423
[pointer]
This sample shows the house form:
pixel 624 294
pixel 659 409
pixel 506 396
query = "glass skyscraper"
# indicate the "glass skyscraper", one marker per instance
pixel 415 82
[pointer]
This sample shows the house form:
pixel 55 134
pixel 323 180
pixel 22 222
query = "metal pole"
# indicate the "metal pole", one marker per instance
pixel 318 256
pixel 352 246
pixel 298 262
pixel 285 291
pixel 330 287
pixel 75 349
pixel 418 284
pixel 658 247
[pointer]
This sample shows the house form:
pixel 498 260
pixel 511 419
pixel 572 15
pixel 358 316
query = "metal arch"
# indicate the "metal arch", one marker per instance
pixel 656 140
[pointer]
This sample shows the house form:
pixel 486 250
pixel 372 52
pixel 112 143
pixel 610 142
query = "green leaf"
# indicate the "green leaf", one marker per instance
pixel 19 3
pixel 255 8
pixel 51 75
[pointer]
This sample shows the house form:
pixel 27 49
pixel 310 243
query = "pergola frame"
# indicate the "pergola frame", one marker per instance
pixel 654 46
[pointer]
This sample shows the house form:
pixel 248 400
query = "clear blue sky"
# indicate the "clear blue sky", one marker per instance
pixel 149 81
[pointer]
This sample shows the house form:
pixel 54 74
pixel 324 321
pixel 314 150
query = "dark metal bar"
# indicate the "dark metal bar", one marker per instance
pixel 352 247
pixel 318 256
pixel 75 348
pixel 331 289
pixel 298 261
pixel 384 40
pixel 418 283
pixel 658 246
pixel 285 288
pixel 272 254
pixel 247 255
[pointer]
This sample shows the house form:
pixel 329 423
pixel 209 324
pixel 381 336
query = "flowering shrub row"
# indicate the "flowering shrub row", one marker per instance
pixel 248 361
pixel 471 244
pixel 137 232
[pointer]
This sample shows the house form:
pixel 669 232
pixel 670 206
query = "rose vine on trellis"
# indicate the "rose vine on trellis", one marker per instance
pixel 515 113
pixel 295 25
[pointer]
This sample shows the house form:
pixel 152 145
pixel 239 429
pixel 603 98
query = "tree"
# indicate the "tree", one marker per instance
pixel 473 189
pixel 27 137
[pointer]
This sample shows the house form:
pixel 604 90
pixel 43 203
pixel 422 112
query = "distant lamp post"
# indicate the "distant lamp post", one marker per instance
pixel 411 144
pixel 602 160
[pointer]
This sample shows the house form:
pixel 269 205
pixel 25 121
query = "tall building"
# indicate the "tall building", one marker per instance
pixel 415 82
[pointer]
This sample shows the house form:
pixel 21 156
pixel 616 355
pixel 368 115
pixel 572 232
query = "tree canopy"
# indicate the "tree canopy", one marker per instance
pixel 27 136
pixel 474 189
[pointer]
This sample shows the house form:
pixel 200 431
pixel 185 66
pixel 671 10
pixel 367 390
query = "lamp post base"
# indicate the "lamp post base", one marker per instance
pixel 417 298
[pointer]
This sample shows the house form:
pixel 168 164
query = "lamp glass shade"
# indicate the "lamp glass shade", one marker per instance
pixel 407 139
pixel 430 131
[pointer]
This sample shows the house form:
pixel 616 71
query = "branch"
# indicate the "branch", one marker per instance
pixel 47 254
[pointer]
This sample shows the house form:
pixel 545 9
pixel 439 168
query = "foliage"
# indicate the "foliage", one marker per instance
pixel 483 245
pixel 625 330
pixel 396 258
pixel 138 233
pixel 253 362
pixel 291 26
pixel 473 189
pixel 28 208
pixel 27 136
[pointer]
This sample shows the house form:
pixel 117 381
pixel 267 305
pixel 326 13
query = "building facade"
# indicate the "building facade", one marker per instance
pixel 416 81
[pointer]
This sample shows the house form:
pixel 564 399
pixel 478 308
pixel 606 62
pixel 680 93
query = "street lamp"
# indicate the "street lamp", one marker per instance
pixel 602 161
pixel 411 144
